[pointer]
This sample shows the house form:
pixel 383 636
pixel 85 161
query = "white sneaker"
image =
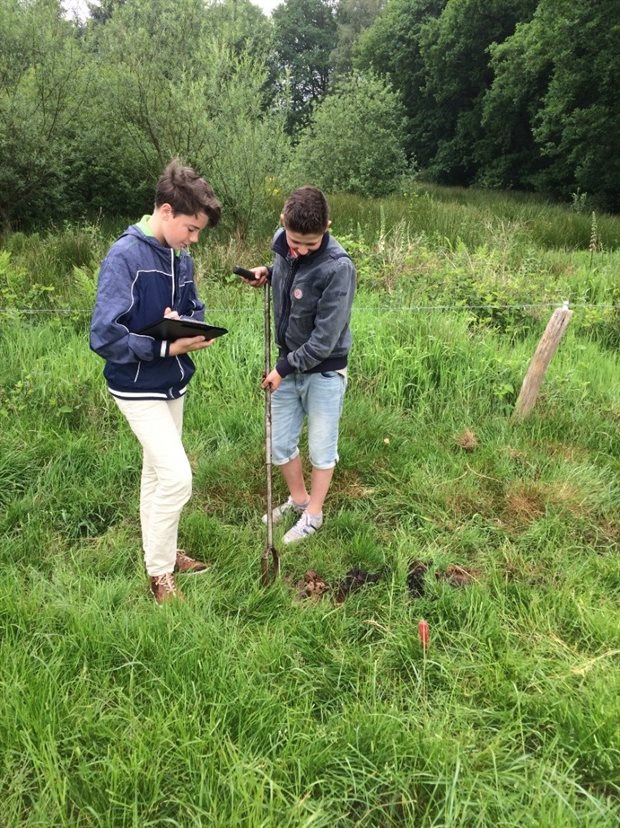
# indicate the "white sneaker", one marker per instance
pixel 306 525
pixel 284 509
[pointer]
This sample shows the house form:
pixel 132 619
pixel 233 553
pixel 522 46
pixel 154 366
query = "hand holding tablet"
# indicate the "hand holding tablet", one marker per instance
pixel 171 329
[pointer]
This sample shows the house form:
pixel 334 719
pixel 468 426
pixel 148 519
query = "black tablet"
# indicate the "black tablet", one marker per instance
pixel 172 329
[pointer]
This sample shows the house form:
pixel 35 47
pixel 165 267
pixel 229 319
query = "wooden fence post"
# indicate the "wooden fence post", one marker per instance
pixel 548 345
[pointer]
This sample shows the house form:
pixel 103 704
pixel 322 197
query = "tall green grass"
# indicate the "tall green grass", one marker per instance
pixel 449 215
pixel 247 707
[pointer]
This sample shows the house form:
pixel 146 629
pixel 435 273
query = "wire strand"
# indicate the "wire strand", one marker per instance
pixel 356 308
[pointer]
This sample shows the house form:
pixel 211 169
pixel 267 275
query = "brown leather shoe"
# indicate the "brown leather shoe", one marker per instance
pixel 163 588
pixel 188 566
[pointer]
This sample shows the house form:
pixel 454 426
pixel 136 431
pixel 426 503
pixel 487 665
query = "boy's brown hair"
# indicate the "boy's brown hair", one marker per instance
pixel 306 211
pixel 187 193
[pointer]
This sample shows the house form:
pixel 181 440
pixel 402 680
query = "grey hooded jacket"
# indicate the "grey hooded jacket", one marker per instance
pixel 312 299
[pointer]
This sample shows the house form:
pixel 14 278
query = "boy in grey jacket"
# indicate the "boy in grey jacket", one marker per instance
pixel 313 284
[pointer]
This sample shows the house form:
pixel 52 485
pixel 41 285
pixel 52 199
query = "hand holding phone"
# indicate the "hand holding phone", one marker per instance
pixel 244 273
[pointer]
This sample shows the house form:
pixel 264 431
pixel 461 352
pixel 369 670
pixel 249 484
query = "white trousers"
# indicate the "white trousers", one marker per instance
pixel 166 483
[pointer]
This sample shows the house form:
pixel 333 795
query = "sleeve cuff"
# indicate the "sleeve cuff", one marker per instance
pixel 284 367
pixel 164 350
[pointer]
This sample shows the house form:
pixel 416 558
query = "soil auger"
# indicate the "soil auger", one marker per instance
pixel 270 560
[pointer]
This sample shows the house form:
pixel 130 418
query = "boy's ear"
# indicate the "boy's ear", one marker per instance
pixel 166 211
pixel 282 219
pixel 329 224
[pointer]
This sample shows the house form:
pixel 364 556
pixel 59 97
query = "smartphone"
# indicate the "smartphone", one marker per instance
pixel 243 271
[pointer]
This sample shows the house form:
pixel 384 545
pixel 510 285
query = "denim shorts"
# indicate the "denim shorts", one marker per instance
pixel 320 397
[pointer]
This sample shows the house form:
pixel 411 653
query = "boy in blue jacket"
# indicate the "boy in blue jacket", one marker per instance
pixel 148 274
pixel 313 284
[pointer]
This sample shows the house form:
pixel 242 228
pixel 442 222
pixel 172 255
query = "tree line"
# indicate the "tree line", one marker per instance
pixel 355 95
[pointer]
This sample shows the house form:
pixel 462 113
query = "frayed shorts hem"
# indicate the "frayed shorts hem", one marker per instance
pixel 286 460
pixel 314 466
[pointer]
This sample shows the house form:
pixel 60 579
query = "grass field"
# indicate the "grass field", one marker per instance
pixel 250 707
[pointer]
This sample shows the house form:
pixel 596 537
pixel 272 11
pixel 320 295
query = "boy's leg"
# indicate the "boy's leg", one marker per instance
pixel 322 397
pixel 323 400
pixel 321 481
pixel 148 485
pixel 287 417
pixel 167 478
pixel 149 479
pixel 294 478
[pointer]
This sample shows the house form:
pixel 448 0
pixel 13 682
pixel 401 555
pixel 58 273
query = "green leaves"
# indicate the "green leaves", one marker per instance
pixel 504 94
pixel 305 35
pixel 355 142
pixel 41 91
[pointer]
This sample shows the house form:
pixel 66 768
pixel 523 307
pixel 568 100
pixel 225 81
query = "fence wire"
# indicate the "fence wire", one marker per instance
pixel 356 308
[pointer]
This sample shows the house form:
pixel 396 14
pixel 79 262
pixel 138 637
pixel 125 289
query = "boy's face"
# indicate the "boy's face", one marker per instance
pixel 303 243
pixel 181 230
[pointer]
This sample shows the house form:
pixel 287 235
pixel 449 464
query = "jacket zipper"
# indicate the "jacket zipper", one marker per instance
pixel 175 275
pixel 286 303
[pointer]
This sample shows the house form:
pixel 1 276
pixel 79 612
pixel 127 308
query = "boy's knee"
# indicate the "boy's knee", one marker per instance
pixel 324 453
pixel 280 458
pixel 185 486
pixel 180 485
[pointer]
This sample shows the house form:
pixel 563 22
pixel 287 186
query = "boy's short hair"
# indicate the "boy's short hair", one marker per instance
pixel 187 193
pixel 306 211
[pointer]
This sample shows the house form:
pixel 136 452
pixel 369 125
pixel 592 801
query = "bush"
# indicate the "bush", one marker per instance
pixel 355 141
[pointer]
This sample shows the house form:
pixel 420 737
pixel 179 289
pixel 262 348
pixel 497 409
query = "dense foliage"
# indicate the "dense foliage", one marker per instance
pixel 507 93
pixel 355 140
pixel 305 34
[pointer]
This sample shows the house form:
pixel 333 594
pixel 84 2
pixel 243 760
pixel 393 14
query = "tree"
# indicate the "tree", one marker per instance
pixel 42 89
pixel 352 18
pixel 455 50
pixel 102 10
pixel 248 30
pixel 391 48
pixel 305 36
pixel 198 98
pixel 552 113
pixel 507 152
pixel 355 141
pixel 436 54
pixel 244 27
pixel 578 125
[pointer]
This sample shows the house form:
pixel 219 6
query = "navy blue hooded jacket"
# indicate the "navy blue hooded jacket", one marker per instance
pixel 138 280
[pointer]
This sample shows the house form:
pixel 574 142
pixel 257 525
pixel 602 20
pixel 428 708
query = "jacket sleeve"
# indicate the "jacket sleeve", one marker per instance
pixel 333 313
pixel 110 337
